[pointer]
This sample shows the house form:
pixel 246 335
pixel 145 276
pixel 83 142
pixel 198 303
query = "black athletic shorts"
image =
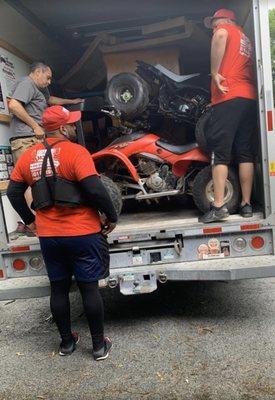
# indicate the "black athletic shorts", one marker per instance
pixel 86 257
pixel 231 133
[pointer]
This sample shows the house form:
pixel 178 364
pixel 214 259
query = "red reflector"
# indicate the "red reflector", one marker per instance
pixel 257 242
pixel 250 227
pixel 20 248
pixel 19 265
pixel 207 231
pixel 1 273
pixel 270 120
pixel 123 237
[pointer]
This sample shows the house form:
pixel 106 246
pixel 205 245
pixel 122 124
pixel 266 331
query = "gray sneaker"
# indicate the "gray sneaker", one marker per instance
pixel 215 214
pixel 103 353
pixel 246 210
pixel 66 349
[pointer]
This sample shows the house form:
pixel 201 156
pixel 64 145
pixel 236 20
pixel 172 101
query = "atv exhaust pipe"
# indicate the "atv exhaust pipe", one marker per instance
pixel 156 195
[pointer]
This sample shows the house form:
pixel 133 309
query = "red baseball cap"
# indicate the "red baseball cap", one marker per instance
pixel 222 13
pixel 56 116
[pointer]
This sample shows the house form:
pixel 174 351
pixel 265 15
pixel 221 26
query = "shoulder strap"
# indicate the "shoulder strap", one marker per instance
pixel 49 156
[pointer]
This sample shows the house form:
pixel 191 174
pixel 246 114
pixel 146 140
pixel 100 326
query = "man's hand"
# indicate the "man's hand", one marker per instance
pixel 39 132
pixel 107 226
pixel 77 101
pixel 32 227
pixel 218 79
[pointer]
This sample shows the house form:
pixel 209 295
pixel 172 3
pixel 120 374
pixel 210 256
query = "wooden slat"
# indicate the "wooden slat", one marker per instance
pixel 12 49
pixel 4 185
pixel 84 58
pixel 5 118
pixel 142 44
pixel 163 25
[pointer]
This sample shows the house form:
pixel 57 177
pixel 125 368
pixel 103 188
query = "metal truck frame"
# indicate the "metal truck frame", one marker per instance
pixel 171 246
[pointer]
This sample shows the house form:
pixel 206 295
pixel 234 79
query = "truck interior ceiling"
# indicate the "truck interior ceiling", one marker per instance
pixel 88 42
pixel 62 33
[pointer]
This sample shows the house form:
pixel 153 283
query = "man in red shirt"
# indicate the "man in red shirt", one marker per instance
pixel 233 126
pixel 72 238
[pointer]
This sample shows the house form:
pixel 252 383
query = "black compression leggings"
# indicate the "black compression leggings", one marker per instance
pixel 93 307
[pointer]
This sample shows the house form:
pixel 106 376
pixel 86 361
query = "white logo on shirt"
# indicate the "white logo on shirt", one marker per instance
pixel 245 46
pixel 36 166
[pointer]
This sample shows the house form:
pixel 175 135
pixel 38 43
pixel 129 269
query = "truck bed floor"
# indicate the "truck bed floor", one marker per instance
pixel 155 220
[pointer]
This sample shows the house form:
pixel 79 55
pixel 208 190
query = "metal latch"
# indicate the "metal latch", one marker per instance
pixel 178 245
pixel 137 257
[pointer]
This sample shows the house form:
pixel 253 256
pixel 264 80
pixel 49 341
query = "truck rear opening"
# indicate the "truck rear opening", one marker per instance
pixel 159 243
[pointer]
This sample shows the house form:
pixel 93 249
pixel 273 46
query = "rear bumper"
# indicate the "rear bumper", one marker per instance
pixel 140 279
pixel 28 287
pixel 24 288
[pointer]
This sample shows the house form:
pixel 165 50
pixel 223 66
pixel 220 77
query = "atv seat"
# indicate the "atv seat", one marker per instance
pixel 174 77
pixel 175 149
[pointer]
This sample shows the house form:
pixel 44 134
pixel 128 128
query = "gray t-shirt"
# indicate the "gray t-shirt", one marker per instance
pixel 33 99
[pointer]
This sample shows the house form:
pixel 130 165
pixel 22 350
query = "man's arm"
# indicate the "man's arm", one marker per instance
pixel 58 101
pixel 17 199
pixel 98 197
pixel 19 111
pixel 218 47
pixel 95 193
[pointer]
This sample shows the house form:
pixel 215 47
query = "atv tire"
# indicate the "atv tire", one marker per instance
pixel 203 193
pixel 114 192
pixel 129 94
pixel 201 128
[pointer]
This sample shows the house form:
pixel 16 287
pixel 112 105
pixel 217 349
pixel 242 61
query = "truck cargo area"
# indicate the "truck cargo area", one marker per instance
pixel 86 45
pixel 172 34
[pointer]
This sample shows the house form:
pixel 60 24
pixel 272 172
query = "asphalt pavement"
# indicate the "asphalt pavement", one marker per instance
pixel 193 341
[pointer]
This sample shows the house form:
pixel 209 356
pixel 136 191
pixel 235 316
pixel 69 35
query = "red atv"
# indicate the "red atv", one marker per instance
pixel 142 166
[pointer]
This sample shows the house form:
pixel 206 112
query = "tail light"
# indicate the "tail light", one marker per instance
pixel 36 263
pixel 257 242
pixel 1 274
pixel 19 265
pixel 239 244
pixel 18 249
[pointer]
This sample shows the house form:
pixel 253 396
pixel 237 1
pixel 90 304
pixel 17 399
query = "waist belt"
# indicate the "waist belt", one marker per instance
pixel 54 190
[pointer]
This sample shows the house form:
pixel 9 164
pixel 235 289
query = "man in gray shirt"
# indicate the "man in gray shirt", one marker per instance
pixel 29 99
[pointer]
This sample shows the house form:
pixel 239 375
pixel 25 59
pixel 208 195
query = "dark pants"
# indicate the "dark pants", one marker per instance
pixel 92 304
pixel 87 258
pixel 232 132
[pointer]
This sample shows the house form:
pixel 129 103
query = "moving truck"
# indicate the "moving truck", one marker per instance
pixel 148 247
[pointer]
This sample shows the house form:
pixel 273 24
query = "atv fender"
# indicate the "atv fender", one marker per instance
pixel 196 155
pixel 116 154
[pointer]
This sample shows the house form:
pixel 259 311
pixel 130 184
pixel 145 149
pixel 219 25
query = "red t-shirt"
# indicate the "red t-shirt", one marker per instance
pixel 236 67
pixel 72 162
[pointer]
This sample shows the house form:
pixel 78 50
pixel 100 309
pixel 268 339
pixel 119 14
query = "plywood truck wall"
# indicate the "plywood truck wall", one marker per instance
pixel 126 61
